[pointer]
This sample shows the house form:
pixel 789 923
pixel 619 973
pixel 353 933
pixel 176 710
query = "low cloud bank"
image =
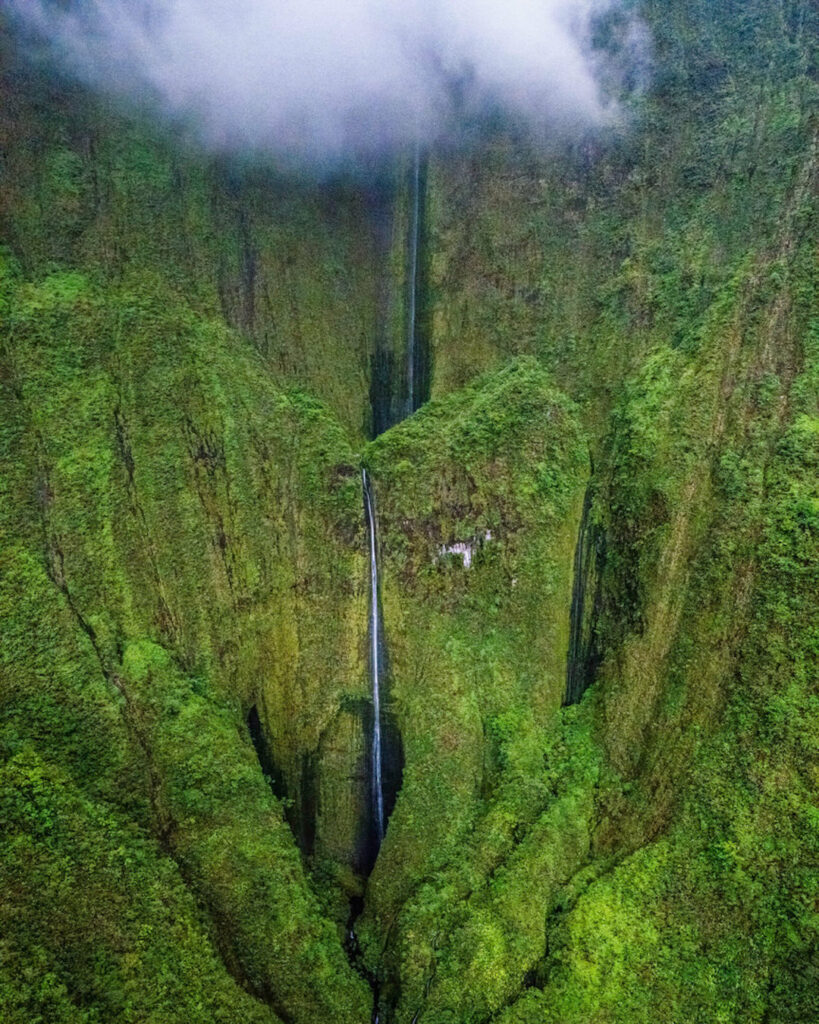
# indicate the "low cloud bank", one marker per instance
pixel 318 78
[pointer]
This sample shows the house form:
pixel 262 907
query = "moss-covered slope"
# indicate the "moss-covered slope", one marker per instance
pixel 176 548
pixel 624 345
pixel 478 498
pixel 295 265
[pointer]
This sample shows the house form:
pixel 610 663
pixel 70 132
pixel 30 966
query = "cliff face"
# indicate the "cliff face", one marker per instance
pixel 623 348
pixel 179 546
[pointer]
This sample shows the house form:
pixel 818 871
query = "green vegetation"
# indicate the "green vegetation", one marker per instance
pixel 168 515
pixel 478 652
pixel 292 266
pixel 628 321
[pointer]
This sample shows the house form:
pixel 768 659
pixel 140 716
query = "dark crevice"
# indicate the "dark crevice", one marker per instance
pixel 304 823
pixel 300 813
pixel 584 654
pixel 353 950
pixel 269 768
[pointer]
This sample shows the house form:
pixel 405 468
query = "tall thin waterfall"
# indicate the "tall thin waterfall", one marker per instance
pixel 375 661
pixel 412 313
pixel 394 396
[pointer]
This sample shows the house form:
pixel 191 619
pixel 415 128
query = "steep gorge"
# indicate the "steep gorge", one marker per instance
pixel 601 731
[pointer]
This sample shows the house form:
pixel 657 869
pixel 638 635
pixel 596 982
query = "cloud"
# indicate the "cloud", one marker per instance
pixel 323 77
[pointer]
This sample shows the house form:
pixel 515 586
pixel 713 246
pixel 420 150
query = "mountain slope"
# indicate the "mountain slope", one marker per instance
pixel 615 484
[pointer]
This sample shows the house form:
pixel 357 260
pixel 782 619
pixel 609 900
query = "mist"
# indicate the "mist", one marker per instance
pixel 319 78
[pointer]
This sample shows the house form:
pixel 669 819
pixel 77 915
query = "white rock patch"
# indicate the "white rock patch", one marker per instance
pixel 466 549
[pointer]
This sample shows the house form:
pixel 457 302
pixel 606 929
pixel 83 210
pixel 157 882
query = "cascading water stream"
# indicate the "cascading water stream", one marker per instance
pixel 398 411
pixel 375 663
pixel 412 314
pixel 393 399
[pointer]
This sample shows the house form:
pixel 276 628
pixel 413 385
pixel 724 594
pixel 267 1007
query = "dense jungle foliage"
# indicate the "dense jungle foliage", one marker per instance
pixel 623 432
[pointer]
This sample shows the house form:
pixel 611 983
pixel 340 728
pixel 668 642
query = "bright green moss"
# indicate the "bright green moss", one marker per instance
pixel 478 664
pixel 184 383
pixel 97 923
pixel 149 467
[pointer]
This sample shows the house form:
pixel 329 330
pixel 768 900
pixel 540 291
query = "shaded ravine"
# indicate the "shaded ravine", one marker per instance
pixel 583 658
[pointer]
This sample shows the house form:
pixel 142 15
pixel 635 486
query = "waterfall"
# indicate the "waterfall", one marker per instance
pixel 375 661
pixel 414 246
pixel 399 382
pixel 393 396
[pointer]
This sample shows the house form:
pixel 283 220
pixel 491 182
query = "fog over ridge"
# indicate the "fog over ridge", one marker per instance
pixel 318 77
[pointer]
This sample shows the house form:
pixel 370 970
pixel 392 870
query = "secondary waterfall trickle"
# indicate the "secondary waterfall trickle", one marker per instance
pixel 376 663
pixel 400 381
pixel 413 281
